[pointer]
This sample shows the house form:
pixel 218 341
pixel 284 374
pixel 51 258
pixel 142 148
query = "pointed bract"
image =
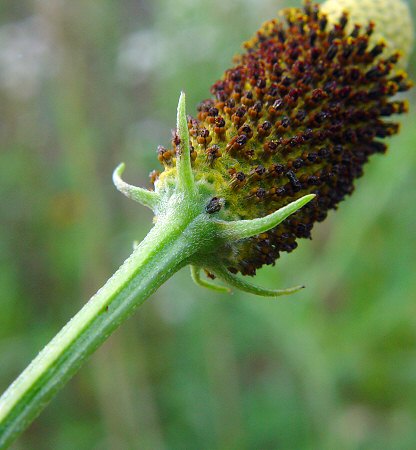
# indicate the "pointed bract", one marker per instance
pixel 140 195
pixel 242 229
pixel 196 277
pixel 185 175
pixel 223 274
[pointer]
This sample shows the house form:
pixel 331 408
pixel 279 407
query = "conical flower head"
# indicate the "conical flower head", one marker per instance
pixel 301 112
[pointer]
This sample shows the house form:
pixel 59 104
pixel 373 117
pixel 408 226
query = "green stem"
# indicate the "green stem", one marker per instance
pixel 164 251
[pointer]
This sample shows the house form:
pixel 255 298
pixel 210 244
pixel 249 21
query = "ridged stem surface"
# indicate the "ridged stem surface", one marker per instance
pixel 163 252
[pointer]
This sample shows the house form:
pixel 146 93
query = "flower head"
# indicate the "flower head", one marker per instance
pixel 301 112
pixel 283 138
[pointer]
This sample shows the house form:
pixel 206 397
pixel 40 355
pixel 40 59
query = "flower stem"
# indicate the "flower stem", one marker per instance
pixel 163 252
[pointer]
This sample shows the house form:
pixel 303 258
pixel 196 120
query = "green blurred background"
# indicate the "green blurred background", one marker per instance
pixel 85 84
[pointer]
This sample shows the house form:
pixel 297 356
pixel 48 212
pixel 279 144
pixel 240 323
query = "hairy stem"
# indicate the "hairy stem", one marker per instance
pixel 163 252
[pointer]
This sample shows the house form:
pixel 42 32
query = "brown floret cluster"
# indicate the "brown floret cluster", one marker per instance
pixel 301 112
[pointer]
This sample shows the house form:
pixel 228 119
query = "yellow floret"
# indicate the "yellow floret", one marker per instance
pixel 392 19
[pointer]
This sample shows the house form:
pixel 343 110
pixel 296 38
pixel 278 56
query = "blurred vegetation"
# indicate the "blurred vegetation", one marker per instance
pixel 87 84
